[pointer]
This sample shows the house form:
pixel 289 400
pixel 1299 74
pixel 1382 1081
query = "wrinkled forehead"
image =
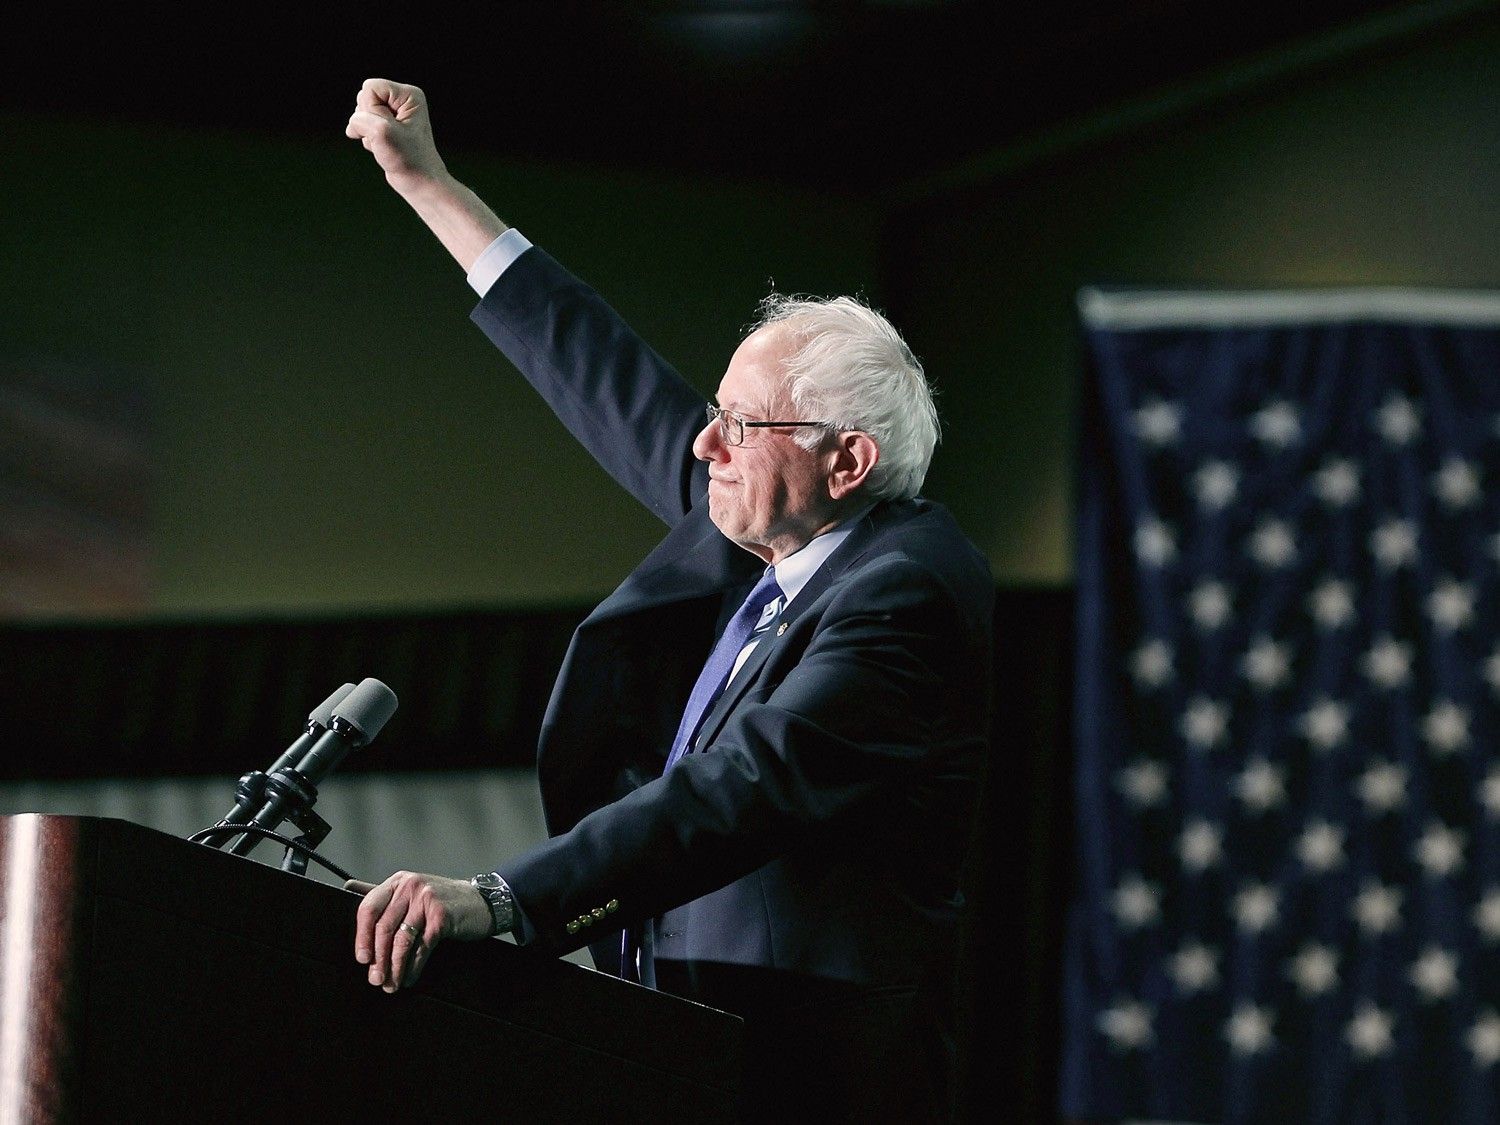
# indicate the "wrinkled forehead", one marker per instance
pixel 755 380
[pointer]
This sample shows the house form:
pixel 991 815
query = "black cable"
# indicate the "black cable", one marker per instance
pixel 239 829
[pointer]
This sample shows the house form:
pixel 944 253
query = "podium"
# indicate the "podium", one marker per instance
pixel 143 978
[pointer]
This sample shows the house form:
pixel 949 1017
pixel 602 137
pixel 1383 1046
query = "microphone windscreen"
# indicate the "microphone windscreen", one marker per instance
pixel 367 708
pixel 322 714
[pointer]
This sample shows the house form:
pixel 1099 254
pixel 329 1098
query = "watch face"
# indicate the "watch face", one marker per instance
pixel 488 881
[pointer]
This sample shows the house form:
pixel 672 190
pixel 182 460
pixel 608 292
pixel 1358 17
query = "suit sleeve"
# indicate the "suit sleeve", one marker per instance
pixel 634 414
pixel 863 719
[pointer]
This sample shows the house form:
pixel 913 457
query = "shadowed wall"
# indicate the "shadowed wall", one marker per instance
pixel 329 429
pixel 1380 172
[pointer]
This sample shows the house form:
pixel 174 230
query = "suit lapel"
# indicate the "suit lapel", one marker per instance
pixel 579 769
pixel 837 563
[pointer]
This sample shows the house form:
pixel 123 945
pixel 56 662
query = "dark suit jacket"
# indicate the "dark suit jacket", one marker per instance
pixel 801 868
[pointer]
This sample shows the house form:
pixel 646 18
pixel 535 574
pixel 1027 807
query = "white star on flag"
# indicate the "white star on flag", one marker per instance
pixel 1277 424
pixel 1194 967
pixel 1456 484
pixel 1332 604
pixel 1205 722
pixel 1127 1025
pixel 1315 969
pixel 1209 604
pixel 1200 846
pixel 1272 544
pixel 1435 974
pixel 1261 786
pixel 1398 420
pixel 1445 728
pixel 1483 1039
pixel 1255 907
pixel 1394 543
pixel 1489 793
pixel 1487 915
pixel 1376 908
pixel 1136 903
pixel 1249 1029
pixel 1440 850
pixel 1155 544
pixel 1151 663
pixel 1382 787
pixel 1369 1032
pixel 1321 847
pixel 1143 783
pixel 1387 662
pixel 1337 482
pixel 1266 664
pixel 1215 484
pixel 1325 724
pixel 1158 423
pixel 1451 605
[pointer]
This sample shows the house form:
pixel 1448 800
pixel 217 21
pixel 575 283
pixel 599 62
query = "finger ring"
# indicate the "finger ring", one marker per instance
pixel 412 932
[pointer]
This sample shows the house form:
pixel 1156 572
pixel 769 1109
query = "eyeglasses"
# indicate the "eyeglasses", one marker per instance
pixel 733 427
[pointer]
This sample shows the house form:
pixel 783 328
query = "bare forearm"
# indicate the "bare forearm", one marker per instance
pixel 391 121
pixel 462 221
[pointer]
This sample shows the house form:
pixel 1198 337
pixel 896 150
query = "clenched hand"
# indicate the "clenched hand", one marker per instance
pixel 390 119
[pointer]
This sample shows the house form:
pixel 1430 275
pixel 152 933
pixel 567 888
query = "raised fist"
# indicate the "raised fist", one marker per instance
pixel 390 119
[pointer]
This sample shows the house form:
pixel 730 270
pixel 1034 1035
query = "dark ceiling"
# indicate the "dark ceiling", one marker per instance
pixel 859 95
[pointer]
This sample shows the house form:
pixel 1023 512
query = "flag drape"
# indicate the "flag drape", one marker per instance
pixel 1287 700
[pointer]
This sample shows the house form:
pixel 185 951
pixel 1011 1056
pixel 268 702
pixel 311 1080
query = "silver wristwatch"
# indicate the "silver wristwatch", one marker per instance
pixel 501 902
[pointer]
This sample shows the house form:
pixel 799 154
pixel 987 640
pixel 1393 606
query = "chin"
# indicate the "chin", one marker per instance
pixel 731 529
pixel 736 531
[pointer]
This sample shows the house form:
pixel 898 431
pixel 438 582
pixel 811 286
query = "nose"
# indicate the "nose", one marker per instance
pixel 709 444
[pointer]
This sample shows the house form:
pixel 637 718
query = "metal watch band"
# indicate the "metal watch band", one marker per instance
pixel 498 897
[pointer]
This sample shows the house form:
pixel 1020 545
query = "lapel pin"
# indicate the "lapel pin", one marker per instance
pixel 781 628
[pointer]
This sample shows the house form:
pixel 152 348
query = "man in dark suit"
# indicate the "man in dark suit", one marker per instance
pixel 760 762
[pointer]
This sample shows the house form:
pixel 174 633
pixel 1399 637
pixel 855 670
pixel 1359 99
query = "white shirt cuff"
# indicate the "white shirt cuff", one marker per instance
pixel 496 259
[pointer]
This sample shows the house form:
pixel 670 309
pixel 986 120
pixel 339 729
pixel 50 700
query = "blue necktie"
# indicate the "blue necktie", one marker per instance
pixel 748 620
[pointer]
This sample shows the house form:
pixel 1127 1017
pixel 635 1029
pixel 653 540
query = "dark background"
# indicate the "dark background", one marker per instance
pixel 859 96
pixel 182 211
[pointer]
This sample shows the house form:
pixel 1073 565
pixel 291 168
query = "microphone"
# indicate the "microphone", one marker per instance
pixel 355 721
pixel 251 791
pixel 317 723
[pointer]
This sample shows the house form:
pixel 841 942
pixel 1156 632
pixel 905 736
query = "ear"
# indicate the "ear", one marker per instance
pixel 854 455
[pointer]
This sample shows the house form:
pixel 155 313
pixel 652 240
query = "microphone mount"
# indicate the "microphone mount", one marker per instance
pixel 296 796
pixel 349 719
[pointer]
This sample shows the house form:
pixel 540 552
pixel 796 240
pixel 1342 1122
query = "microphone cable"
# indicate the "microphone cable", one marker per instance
pixel 251 829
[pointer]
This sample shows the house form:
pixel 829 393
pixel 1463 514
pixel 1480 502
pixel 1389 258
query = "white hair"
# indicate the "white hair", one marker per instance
pixel 852 369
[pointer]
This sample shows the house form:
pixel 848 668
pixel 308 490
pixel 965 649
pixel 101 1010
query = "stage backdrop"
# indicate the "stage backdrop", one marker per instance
pixel 1288 897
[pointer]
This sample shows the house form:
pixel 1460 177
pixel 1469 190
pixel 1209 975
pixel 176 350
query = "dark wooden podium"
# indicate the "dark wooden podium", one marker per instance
pixel 143 978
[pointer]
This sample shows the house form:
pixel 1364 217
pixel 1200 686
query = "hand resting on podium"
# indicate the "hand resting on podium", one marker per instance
pixel 401 921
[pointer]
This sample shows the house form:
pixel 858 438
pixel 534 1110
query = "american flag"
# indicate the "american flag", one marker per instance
pixel 1288 698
